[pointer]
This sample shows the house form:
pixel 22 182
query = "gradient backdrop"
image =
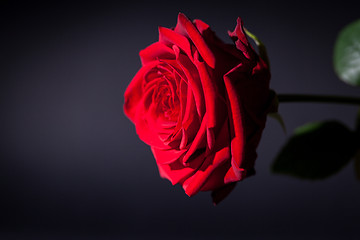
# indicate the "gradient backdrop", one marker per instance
pixel 72 166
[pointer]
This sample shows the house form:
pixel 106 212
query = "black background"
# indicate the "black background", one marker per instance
pixel 72 166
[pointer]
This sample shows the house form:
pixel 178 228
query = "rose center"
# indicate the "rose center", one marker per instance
pixel 164 86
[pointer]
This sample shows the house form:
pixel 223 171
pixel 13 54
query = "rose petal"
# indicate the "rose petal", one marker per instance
pixel 198 142
pixel 134 91
pixel 241 41
pixel 190 119
pixel 170 37
pixel 175 172
pixel 156 51
pixel 215 105
pixel 231 79
pixel 166 156
pixel 216 179
pixel 186 27
pixel 193 184
pixel 208 87
pixel 144 124
pixel 210 175
pixel 249 100
pixel 194 82
pixel 161 126
pixel 201 26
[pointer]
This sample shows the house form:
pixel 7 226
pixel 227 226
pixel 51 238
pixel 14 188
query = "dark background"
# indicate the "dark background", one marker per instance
pixel 72 166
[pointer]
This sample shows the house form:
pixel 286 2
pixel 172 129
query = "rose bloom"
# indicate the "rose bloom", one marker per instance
pixel 201 105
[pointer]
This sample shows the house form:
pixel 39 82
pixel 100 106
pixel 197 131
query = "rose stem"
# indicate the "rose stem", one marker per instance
pixel 317 98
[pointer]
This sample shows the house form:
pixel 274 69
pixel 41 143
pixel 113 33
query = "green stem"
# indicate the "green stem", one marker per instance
pixel 318 98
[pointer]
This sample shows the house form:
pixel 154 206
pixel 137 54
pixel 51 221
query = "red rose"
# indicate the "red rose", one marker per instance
pixel 201 105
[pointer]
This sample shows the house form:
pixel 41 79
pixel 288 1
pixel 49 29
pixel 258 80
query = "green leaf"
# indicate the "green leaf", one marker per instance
pixel 347 54
pixel 316 151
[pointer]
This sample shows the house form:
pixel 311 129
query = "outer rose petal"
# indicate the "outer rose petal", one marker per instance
pixel 241 41
pixel 236 127
pixel 249 101
pixel 187 28
pixel 170 37
pixel 207 177
pixel 193 184
pixel 175 172
pixel 166 156
pixel 201 26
